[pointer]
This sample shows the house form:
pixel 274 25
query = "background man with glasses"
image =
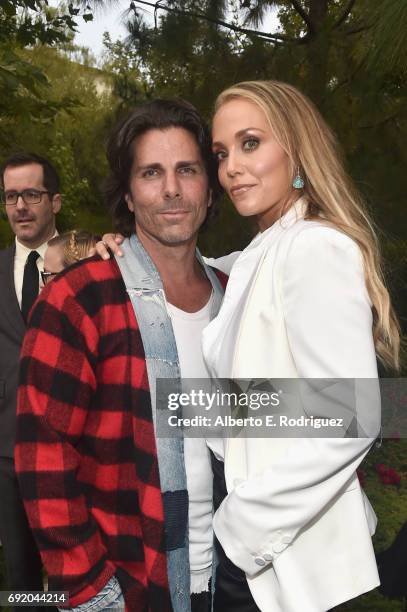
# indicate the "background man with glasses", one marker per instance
pixel 31 199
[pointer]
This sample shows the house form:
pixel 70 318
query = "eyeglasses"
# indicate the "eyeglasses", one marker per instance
pixel 47 276
pixel 30 196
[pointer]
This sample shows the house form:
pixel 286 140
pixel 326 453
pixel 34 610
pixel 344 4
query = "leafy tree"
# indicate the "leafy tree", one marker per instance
pixel 23 87
pixel 73 138
pixel 122 60
pixel 389 37
pixel 311 27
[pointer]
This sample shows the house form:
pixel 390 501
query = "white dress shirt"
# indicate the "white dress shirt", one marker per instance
pixel 20 259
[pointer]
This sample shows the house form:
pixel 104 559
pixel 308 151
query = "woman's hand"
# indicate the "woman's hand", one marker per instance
pixel 112 242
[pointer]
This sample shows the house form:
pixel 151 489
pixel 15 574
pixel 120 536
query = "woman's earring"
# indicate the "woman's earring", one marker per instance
pixel 298 182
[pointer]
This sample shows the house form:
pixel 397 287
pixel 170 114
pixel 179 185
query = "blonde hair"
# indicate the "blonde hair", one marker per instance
pixel 312 147
pixel 75 245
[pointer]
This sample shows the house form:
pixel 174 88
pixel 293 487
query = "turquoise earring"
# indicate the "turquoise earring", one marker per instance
pixel 298 182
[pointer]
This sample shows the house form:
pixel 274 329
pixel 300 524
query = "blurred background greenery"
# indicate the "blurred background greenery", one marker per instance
pixel 349 56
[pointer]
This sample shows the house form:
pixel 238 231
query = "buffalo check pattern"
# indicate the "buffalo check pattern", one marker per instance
pixel 85 451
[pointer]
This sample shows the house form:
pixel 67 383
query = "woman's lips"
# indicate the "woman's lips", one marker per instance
pixel 240 190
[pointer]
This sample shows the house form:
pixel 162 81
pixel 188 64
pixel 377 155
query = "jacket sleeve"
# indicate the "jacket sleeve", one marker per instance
pixel 57 381
pixel 225 263
pixel 329 327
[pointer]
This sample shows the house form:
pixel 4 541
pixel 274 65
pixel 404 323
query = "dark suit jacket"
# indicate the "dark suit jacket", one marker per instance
pixel 12 329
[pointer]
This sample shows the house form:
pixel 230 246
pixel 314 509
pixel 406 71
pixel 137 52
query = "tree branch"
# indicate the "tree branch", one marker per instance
pixel 380 123
pixel 357 30
pixel 346 12
pixel 303 14
pixel 230 26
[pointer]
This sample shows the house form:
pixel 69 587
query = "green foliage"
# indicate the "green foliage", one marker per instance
pixel 388 50
pixel 26 22
pixel 389 503
pixel 75 190
pixel 395 257
pixel 74 137
pixel 24 88
pixel 6 235
pixel 123 62
pixel 25 93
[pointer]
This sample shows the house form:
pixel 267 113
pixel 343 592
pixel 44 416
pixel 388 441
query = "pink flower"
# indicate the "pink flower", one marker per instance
pixel 388 476
pixel 394 476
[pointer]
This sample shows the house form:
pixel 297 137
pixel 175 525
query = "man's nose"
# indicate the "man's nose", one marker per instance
pixel 172 188
pixel 20 204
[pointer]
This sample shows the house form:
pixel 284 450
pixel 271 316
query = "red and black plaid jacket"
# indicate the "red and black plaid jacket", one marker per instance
pixel 85 453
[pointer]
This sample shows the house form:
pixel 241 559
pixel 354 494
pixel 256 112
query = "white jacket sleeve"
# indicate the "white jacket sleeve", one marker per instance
pixel 329 327
pixel 225 263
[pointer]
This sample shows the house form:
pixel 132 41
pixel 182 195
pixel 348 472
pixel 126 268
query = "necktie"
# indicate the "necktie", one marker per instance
pixel 30 284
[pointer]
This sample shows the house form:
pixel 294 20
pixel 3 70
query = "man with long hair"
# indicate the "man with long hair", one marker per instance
pixel 107 500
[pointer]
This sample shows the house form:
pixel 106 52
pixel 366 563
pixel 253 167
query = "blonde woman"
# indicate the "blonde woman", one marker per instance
pixel 305 299
pixel 65 250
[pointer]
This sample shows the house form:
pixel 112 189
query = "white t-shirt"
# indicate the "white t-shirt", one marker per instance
pixel 188 331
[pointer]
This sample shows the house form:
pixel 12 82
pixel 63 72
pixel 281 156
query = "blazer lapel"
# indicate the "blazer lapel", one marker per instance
pixel 270 240
pixel 235 447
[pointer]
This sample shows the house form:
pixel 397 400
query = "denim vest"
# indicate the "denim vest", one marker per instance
pixel 146 293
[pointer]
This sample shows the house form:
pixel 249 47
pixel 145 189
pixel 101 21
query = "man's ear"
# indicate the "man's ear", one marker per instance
pixel 129 202
pixel 56 203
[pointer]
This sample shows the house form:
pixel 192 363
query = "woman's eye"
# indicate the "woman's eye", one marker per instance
pixel 250 144
pixel 219 155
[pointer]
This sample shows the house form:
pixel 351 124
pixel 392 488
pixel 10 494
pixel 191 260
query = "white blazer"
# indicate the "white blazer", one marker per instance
pixel 295 518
